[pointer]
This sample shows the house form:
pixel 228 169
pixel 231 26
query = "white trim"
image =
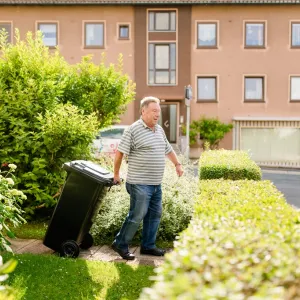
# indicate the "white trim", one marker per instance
pixel 266 118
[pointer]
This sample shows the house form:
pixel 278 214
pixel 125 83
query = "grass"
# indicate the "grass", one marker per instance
pixel 51 277
pixel 32 230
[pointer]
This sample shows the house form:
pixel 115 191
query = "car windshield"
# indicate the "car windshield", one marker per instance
pixel 114 133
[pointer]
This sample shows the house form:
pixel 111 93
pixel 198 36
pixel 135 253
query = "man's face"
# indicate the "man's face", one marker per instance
pixel 151 114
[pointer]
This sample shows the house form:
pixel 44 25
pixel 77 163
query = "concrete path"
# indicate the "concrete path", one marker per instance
pixel 101 253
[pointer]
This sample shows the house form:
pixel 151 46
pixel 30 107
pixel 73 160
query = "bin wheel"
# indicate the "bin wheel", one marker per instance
pixel 87 241
pixel 69 249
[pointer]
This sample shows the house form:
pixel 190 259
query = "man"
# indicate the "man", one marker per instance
pixel 146 145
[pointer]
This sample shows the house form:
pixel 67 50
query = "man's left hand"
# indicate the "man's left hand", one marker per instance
pixel 179 170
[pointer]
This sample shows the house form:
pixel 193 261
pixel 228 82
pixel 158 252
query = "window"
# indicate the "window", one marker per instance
pixel 207 89
pixel 94 35
pixel 295 88
pixel 7 28
pixel 295 35
pixel 123 32
pixel 162 21
pixel 254 89
pixel 207 35
pixel 162 64
pixel 255 35
pixel 49 31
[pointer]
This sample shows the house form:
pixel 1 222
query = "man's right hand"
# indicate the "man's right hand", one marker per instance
pixel 117 179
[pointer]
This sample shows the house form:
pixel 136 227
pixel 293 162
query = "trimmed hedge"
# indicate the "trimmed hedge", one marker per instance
pixel 228 164
pixel 243 243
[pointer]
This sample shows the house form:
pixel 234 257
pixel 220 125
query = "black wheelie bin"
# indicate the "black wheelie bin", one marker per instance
pixel 79 202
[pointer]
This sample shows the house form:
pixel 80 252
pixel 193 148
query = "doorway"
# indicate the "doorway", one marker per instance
pixel 168 121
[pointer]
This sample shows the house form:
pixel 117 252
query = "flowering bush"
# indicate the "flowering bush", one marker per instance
pixel 10 200
pixel 178 202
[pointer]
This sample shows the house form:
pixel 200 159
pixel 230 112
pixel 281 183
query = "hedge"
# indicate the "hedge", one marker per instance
pixel 228 164
pixel 243 243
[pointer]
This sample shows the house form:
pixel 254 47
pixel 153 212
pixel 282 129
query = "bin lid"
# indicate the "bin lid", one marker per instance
pixel 90 169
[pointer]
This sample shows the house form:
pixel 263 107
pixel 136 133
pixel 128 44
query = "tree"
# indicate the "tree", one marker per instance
pixel 39 124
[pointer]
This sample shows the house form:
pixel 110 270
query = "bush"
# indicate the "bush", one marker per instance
pixel 243 243
pixel 210 130
pixel 65 135
pixel 38 133
pixel 178 199
pixel 5 269
pixel 10 211
pixel 99 89
pixel 228 164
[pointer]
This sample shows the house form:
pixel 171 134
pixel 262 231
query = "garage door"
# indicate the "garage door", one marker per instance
pixel 270 143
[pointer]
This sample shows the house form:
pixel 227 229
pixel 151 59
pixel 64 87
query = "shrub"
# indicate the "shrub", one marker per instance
pixel 228 164
pixel 65 135
pixel 5 269
pixel 178 199
pixel 99 89
pixel 38 134
pixel 243 243
pixel 10 211
pixel 210 130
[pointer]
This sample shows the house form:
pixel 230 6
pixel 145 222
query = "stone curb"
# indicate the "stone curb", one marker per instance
pixel 95 253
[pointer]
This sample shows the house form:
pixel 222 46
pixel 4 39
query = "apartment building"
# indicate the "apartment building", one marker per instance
pixel 242 58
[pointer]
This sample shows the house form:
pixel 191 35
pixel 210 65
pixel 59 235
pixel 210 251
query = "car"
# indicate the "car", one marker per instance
pixel 108 139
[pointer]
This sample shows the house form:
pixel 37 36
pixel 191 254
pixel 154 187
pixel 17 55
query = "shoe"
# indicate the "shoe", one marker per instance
pixel 154 251
pixel 125 254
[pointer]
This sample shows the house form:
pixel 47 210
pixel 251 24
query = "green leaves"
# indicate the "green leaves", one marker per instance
pixel 10 201
pixel 228 164
pixel 179 195
pixel 50 112
pixel 243 243
pixel 210 130
pixel 99 89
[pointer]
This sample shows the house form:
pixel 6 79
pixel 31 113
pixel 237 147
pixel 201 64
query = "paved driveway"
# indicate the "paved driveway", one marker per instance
pixel 288 182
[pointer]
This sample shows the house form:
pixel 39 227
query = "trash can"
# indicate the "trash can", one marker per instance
pixel 78 205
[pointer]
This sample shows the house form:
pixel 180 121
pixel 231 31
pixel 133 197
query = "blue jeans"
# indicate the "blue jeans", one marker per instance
pixel 145 205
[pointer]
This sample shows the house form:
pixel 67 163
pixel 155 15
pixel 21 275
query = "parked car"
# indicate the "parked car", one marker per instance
pixel 108 139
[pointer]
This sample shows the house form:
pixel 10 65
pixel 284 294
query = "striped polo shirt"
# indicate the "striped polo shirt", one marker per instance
pixel 146 150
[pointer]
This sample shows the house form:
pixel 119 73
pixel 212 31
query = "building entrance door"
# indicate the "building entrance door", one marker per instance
pixel 168 121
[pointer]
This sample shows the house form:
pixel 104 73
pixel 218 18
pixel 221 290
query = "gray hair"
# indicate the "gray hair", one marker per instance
pixel 147 100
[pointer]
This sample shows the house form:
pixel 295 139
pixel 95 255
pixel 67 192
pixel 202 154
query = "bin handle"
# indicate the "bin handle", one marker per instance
pixel 114 183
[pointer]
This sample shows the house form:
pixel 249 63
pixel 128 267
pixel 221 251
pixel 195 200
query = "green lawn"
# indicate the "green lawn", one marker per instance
pixel 50 277
pixel 30 230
